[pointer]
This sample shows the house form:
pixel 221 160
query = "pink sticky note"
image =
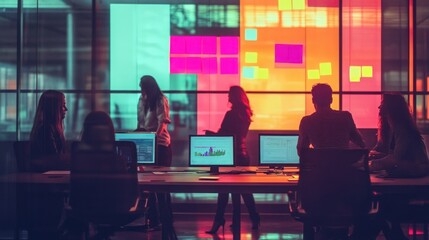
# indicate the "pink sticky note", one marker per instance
pixel 228 65
pixel 193 45
pixel 193 65
pixel 209 45
pixel 177 45
pixel 229 45
pixel 209 65
pixel 177 65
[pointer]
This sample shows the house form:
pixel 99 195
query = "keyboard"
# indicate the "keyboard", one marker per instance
pixel 239 172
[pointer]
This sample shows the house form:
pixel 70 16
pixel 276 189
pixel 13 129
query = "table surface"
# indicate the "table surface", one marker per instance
pixel 185 179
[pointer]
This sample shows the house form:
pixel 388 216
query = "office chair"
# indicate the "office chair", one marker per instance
pixel 22 155
pixel 38 209
pixel 334 192
pixel 104 186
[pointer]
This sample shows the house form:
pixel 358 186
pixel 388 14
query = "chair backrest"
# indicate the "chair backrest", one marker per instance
pixel 101 185
pixel 22 155
pixel 334 183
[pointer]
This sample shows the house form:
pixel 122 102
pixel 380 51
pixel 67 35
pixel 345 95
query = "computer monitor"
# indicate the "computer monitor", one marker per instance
pixel 145 144
pixel 212 151
pixel 278 150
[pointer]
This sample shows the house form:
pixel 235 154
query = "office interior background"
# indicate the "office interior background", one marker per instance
pixel 95 51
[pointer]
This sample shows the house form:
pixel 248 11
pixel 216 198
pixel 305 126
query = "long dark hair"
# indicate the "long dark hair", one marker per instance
pixel 49 114
pixel 394 108
pixel 240 102
pixel 152 91
pixel 98 128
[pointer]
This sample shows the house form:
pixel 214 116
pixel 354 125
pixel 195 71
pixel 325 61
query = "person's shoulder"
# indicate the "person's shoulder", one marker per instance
pixel 343 113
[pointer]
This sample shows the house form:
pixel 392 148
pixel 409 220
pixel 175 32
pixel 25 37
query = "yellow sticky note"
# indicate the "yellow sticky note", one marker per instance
pixel 285 5
pixel 325 69
pixel 263 73
pixel 355 73
pixel 251 57
pixel 366 71
pixel 313 74
pixel 298 4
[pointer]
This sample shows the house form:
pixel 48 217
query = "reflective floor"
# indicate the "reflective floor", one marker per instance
pixel 193 226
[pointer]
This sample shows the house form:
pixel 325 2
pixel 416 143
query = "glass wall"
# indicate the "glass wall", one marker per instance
pixel 275 49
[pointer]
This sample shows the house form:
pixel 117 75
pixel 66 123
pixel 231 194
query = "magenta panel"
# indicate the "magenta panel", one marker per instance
pixel 193 65
pixel 288 53
pixel 209 65
pixel 177 65
pixel 323 3
pixel 193 45
pixel 229 45
pixel 177 45
pixel 229 66
pixel 209 45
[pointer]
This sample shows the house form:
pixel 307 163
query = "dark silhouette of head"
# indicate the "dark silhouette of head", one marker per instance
pixel 50 112
pixel 98 129
pixel 322 95
pixel 150 89
pixel 395 110
pixel 239 101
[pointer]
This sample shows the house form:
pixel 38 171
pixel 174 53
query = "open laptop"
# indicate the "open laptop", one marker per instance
pixel 145 144
pixel 279 151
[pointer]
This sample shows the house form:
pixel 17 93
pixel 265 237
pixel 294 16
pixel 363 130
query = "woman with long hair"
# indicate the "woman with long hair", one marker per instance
pixel 47 152
pixel 47 142
pixel 237 122
pixel 404 156
pixel 406 151
pixel 154 115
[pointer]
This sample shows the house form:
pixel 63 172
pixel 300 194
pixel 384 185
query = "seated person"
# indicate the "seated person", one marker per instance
pixel 401 152
pixel 47 142
pixel 47 152
pixel 400 140
pixel 327 128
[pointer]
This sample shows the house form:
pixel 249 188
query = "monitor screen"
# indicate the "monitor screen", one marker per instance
pixel 211 150
pixel 278 149
pixel 145 144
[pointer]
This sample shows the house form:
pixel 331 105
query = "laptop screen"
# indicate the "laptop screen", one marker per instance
pixel 211 150
pixel 278 149
pixel 145 144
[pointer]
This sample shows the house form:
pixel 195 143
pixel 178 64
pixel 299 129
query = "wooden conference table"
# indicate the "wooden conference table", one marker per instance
pixel 188 180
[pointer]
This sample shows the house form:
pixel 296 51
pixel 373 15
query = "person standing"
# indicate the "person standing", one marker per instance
pixel 154 116
pixel 236 122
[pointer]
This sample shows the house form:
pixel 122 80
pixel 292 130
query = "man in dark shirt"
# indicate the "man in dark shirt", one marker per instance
pixel 327 128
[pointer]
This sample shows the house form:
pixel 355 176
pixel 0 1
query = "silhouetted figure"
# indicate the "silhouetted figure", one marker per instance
pixel 47 142
pixel 404 146
pixel 327 128
pixel 236 122
pixel 47 152
pixel 154 116
pixel 401 152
